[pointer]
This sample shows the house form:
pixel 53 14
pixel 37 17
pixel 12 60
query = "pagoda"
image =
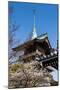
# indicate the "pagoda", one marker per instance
pixel 38 48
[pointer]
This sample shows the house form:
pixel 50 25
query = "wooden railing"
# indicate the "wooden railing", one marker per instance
pixel 31 54
pixel 28 55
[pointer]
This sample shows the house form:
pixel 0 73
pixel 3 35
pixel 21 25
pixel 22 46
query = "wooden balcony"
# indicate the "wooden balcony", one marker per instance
pixel 31 54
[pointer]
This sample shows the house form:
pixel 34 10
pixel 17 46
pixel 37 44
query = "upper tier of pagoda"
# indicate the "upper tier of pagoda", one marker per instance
pixel 41 41
pixel 36 42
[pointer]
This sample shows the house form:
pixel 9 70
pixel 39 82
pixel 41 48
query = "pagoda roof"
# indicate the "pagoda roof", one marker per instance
pixel 43 36
pixel 40 38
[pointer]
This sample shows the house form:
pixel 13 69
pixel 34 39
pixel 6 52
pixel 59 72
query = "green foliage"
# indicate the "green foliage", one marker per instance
pixel 15 67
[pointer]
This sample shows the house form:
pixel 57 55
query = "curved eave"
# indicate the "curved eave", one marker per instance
pixel 40 38
pixel 23 46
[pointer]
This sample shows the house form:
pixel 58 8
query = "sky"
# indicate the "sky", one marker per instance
pixel 46 19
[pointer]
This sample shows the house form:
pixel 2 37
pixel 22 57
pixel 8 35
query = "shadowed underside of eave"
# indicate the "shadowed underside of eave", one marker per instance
pixel 29 43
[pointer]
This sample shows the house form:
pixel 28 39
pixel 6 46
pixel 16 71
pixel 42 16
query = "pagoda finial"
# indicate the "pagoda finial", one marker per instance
pixel 34 34
pixel 34 16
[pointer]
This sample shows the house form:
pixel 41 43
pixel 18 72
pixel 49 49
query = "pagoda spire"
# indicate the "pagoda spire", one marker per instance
pixel 34 34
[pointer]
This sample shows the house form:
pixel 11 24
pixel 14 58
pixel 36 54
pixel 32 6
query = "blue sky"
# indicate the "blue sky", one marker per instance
pixel 46 20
